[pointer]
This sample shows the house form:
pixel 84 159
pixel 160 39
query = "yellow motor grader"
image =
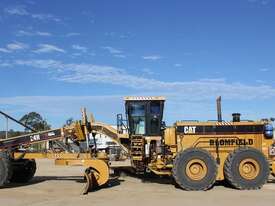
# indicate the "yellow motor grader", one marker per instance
pixel 196 154
pixel 68 146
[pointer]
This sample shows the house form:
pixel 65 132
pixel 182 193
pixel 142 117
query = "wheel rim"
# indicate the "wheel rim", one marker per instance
pixel 196 169
pixel 249 169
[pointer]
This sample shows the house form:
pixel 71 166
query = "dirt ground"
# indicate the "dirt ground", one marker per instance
pixel 57 185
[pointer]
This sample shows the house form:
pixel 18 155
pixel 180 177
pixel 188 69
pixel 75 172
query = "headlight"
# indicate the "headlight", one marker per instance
pixel 268 130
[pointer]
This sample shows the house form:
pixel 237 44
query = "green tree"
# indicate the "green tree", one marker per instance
pixel 35 121
pixel 13 133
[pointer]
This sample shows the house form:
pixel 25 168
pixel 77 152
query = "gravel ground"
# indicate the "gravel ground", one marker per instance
pixel 57 185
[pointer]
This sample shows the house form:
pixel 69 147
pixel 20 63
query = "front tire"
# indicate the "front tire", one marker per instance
pixel 5 168
pixel 246 169
pixel 195 169
pixel 23 170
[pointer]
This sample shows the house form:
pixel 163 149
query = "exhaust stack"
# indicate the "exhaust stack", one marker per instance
pixel 236 117
pixel 219 109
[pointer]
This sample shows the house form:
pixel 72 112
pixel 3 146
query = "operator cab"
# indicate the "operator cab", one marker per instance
pixel 144 115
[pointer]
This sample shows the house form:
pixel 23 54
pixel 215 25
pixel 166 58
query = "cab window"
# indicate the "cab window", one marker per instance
pixel 137 114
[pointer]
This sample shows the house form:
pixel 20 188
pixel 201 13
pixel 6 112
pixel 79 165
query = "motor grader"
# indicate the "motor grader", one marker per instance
pixel 196 154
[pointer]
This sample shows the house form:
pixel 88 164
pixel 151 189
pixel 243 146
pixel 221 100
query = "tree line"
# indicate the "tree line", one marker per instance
pixel 31 119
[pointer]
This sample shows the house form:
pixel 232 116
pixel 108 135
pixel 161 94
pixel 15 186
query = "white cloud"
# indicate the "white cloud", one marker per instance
pixel 112 50
pixel 147 71
pixel 260 81
pixel 115 52
pixel 264 69
pixel 196 90
pixel 17 46
pixel 76 54
pixel 186 99
pixel 31 2
pixel 124 36
pixel 177 65
pixel 22 11
pixel 32 33
pixel 152 57
pixel 262 2
pixel 80 48
pixel 42 64
pixel 17 10
pixel 45 17
pixel 72 34
pixel 4 50
pixel 40 33
pixel 113 34
pixel 120 55
pixel 5 64
pixel 24 33
pixel 55 108
pixel 47 48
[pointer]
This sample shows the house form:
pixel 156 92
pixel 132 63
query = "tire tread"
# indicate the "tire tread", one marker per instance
pixel 228 170
pixel 177 179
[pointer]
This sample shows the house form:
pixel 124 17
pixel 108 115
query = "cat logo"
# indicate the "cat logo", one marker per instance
pixel 189 129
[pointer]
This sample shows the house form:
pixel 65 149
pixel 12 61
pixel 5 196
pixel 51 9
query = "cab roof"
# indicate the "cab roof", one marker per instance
pixel 144 98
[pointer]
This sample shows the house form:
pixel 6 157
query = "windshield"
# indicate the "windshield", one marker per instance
pixel 137 110
pixel 155 108
pixel 137 116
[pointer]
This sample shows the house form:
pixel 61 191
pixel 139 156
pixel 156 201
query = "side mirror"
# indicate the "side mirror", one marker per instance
pixel 163 125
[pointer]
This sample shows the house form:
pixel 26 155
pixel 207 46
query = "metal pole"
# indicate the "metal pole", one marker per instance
pixel 18 122
pixel 7 127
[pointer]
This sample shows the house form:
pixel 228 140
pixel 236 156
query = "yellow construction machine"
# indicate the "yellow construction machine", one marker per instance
pixel 68 146
pixel 196 154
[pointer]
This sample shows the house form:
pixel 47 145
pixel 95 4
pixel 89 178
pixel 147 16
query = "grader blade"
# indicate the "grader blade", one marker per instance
pixel 96 173
pixel 94 178
pixel 88 177
pixel 272 166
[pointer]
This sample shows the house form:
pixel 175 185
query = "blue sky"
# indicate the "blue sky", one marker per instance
pixel 57 56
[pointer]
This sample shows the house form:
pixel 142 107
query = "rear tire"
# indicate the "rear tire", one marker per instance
pixel 5 168
pixel 23 170
pixel 195 169
pixel 246 169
